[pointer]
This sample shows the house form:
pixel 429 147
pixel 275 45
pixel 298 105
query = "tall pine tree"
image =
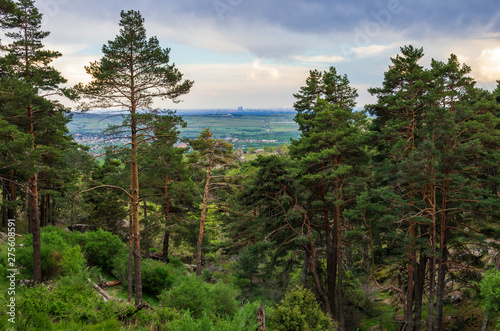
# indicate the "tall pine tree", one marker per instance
pixel 332 160
pixel 27 64
pixel 133 71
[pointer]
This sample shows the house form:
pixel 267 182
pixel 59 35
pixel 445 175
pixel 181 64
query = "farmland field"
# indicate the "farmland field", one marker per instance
pixel 242 130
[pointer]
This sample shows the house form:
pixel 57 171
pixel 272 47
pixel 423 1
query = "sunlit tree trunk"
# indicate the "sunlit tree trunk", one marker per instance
pixel 204 213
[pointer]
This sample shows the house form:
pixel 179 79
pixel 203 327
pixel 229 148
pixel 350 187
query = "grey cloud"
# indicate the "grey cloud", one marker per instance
pixel 260 26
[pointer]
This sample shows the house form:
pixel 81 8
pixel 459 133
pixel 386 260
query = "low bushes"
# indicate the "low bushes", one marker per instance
pixel 59 257
pixel 67 253
pixel 71 300
pixel 299 311
pixel 158 276
pixel 102 249
pixel 198 297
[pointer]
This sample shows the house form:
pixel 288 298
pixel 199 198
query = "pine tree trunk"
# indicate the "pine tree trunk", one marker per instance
pixel 145 209
pixel 4 208
pixel 43 210
pixel 50 210
pixel 339 310
pixel 419 290
pixel 12 196
pixel 204 214
pixel 313 259
pixel 33 206
pixel 130 274
pixel 166 242
pixel 338 244
pixel 35 221
pixel 486 321
pixel 331 258
pixel 166 211
pixel 432 273
pixel 412 262
pixel 443 257
pixel 27 214
pixel 261 317
pixel 331 251
pixel 135 211
pixel 441 283
pixel 305 266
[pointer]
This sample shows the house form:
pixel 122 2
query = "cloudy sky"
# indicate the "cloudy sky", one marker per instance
pixel 257 53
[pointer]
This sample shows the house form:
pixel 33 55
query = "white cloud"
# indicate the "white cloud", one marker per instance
pixel 375 50
pixel 72 68
pixel 256 32
pixel 319 59
pixel 253 84
pixel 489 64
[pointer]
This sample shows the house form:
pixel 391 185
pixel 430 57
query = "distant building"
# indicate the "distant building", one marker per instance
pixel 240 108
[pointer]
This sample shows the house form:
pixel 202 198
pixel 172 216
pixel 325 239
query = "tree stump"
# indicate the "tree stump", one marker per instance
pixel 261 317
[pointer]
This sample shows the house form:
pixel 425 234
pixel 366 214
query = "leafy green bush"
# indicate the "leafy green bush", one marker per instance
pixel 157 276
pixel 61 252
pixel 73 260
pixel 243 320
pixel 222 300
pixel 72 299
pixel 155 319
pixel 58 257
pixel 191 293
pixel 490 293
pixel 206 275
pixel 102 248
pixel 299 311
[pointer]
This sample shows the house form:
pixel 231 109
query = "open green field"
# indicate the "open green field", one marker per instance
pixel 243 130
pixel 260 127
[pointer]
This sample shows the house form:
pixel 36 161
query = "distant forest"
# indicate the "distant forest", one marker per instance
pixel 385 218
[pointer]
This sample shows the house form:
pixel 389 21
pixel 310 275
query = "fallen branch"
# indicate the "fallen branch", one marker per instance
pixel 143 305
pixel 104 284
pixel 388 288
pixel 106 296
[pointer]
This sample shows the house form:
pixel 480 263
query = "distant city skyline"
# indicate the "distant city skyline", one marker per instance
pixel 256 54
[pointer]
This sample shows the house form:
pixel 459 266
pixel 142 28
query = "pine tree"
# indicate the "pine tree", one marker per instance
pixel 208 153
pixel 27 62
pixel 399 116
pixel 331 156
pixel 432 127
pixel 133 71
pixel 165 173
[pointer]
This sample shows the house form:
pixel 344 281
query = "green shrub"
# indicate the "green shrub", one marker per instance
pixel 72 301
pixel 156 319
pixel 243 320
pixel 157 276
pixel 190 323
pixel 72 298
pixel 490 292
pixel 73 260
pixel 61 253
pixel 176 262
pixel 222 299
pixel 191 293
pixel 102 248
pixel 51 250
pixel 299 311
pixel 206 275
